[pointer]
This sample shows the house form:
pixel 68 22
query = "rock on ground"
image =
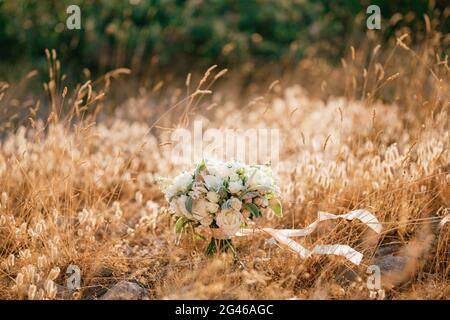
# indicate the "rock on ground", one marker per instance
pixel 389 264
pixel 125 290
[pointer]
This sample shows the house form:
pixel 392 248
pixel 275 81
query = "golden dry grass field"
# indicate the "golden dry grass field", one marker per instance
pixel 79 185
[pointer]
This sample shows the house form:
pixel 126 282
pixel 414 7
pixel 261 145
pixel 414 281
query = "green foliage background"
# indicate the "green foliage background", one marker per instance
pixel 181 34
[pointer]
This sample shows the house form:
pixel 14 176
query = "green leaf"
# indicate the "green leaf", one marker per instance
pixel 253 209
pixel 179 225
pixel 202 165
pixel 200 168
pixel 188 204
pixel 276 207
pixel 188 188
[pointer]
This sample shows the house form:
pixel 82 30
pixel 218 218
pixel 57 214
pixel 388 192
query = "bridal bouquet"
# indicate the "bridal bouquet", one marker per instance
pixel 221 198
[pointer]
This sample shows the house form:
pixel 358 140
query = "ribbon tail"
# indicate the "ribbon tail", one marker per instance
pixel 293 245
pixel 362 215
pixel 340 250
pixel 283 235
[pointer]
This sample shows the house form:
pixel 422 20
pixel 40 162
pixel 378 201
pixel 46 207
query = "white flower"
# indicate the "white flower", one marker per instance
pixel 234 168
pixel 236 204
pixel 201 201
pixel 224 171
pixel 213 182
pixel 179 184
pixel 229 221
pixel 213 196
pixel 235 187
pixel 236 165
pixel 212 207
pixel 200 212
pixel 233 176
pixel 182 180
pixel 258 178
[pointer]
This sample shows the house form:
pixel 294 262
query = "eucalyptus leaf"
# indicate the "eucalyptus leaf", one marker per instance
pixel 179 225
pixel 276 207
pixel 188 204
pixel 253 208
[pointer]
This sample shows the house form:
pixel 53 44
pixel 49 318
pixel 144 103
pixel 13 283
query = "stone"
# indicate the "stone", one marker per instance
pixel 345 276
pixel 387 249
pixel 391 264
pixel 125 290
pixel 94 292
pixel 396 270
pixel 63 292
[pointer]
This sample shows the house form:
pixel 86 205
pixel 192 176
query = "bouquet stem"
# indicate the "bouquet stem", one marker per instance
pixel 219 246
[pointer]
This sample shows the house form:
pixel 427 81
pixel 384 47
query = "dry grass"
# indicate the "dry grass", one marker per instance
pixel 81 190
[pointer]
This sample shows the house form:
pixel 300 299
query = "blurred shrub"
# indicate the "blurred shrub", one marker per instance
pixel 177 33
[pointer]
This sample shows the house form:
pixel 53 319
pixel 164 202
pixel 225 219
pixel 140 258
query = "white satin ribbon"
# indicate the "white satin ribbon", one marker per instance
pixel 283 235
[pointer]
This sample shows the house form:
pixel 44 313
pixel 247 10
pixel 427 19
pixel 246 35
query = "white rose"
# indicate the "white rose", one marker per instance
pixel 236 204
pixel 229 221
pixel 235 187
pixel 200 212
pixel 212 207
pixel 213 196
